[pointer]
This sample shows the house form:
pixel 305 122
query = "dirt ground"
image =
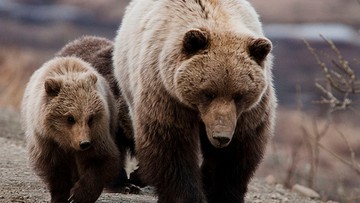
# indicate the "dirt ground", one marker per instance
pixel 18 183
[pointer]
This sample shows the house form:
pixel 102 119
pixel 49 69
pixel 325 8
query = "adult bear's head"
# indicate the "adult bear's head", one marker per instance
pixel 221 75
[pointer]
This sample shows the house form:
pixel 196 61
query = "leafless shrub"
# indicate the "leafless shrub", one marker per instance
pixel 338 85
pixel 295 159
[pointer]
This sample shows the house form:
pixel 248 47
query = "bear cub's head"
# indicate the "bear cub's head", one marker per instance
pixel 75 110
pixel 222 75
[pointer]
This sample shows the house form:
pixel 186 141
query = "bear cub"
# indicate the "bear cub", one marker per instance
pixel 98 51
pixel 69 118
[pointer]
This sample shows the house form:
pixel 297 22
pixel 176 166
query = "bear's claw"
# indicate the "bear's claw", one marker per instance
pixel 71 200
pixel 132 189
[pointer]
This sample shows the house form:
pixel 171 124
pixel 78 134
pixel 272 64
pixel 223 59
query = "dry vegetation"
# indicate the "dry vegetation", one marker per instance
pixel 293 158
pixel 16 66
pixel 322 151
pixel 339 87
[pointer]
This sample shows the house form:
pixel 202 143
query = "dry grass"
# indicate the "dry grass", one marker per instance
pixel 322 152
pixel 16 66
pixel 288 152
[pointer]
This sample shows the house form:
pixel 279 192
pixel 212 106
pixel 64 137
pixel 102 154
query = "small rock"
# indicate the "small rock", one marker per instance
pixel 270 179
pixel 305 191
pixel 280 189
pixel 256 196
pixel 275 196
pixel 285 200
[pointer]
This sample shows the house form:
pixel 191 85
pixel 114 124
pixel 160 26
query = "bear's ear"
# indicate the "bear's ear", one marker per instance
pixel 52 86
pixel 195 40
pixel 93 78
pixel 259 49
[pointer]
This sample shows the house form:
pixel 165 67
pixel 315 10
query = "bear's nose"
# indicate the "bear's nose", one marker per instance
pixel 84 145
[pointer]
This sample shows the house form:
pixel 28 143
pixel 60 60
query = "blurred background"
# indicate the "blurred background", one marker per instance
pixel 317 134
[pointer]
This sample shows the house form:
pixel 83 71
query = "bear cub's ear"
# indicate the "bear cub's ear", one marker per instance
pixel 195 40
pixel 93 78
pixel 259 49
pixel 52 86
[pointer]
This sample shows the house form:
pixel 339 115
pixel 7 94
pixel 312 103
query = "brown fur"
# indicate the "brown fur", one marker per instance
pixel 98 52
pixel 196 74
pixel 66 103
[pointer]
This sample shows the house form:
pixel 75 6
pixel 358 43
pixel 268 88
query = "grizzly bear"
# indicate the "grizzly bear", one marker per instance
pixel 67 112
pixel 196 75
pixel 98 52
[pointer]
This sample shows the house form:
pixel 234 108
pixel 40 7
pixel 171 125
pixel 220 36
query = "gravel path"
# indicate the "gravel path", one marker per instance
pixel 19 184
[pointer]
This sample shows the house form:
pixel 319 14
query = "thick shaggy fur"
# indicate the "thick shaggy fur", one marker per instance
pixel 67 103
pixel 196 75
pixel 98 52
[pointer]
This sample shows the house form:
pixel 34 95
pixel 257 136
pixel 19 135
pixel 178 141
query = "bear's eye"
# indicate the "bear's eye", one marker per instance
pixel 91 120
pixel 238 98
pixel 70 120
pixel 209 95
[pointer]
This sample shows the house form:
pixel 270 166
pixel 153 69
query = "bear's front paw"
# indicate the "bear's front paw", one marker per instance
pixel 82 198
pixel 125 188
pixel 131 189
pixel 85 193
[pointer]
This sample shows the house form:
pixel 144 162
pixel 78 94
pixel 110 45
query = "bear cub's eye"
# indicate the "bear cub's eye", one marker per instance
pixel 238 98
pixel 209 95
pixel 91 120
pixel 70 120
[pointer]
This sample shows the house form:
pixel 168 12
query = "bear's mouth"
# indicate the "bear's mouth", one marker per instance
pixel 220 139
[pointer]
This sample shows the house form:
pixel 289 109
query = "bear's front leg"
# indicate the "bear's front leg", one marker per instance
pixel 168 158
pixel 94 173
pixel 55 168
pixel 227 171
pixel 59 182
pixel 87 189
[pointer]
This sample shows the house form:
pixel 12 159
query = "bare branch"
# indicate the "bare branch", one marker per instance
pixel 356 168
pixel 352 152
pixel 331 100
pixel 344 64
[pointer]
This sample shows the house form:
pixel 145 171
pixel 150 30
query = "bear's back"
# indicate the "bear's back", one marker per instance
pixel 194 13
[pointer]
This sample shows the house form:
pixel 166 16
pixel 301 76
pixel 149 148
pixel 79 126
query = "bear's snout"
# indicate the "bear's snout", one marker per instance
pixel 220 122
pixel 84 145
